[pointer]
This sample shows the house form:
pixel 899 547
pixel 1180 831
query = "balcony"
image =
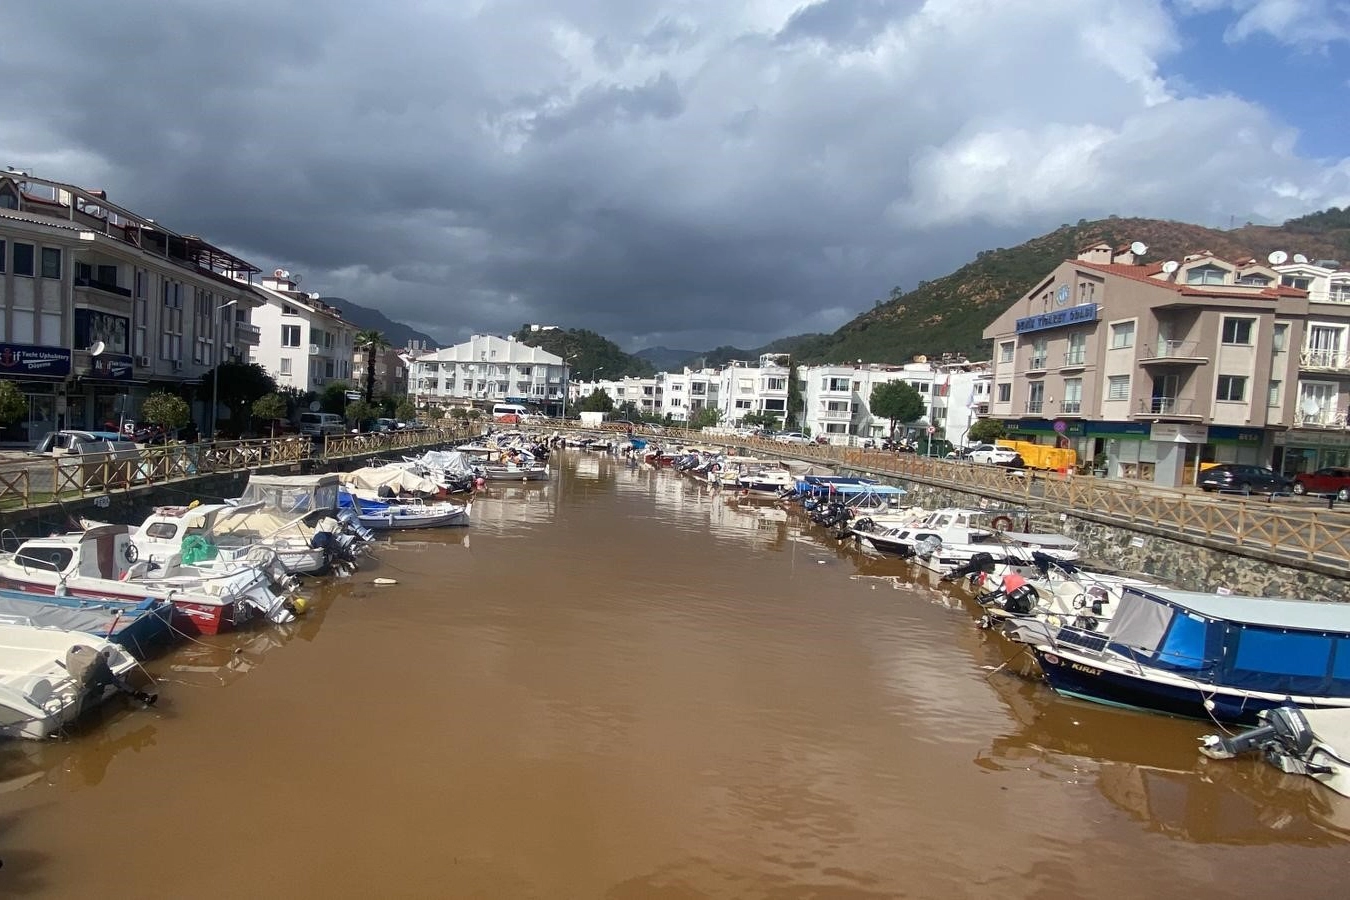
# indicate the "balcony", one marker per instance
pixel 1075 359
pixel 247 333
pixel 1035 406
pixel 1324 360
pixel 1161 351
pixel 315 349
pixel 107 287
pixel 1327 417
pixel 838 415
pixel 1071 407
pixel 1167 408
pixel 1037 363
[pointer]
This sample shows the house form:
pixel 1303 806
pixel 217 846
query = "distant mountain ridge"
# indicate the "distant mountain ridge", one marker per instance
pixel 367 319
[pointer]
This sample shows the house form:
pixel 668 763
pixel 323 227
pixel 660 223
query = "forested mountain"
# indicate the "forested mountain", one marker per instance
pixel 949 314
pixel 588 353
pixel 367 319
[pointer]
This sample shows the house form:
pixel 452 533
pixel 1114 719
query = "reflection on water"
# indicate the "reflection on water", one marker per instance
pixel 623 683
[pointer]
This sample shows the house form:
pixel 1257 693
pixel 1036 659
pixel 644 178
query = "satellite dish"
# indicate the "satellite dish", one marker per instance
pixel 314 295
pixel 1300 258
pixel 1138 248
pixel 315 406
pixel 97 349
pixel 297 279
pixel 1279 257
pixel 279 273
pixel 1171 266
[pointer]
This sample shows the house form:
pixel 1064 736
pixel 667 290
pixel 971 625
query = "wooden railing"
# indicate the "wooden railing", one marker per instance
pixel 39 479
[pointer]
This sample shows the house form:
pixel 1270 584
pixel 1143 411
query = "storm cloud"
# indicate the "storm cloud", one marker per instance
pixel 690 174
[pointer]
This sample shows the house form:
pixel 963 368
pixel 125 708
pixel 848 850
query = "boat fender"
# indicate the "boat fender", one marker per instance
pixel 1002 523
pixel 297 606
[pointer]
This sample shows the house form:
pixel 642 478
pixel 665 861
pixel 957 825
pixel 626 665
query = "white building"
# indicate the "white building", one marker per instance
pixel 744 389
pixel 79 274
pixel 487 369
pixel 689 391
pixel 305 344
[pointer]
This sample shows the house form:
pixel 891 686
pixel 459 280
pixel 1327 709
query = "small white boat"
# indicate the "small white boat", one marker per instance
pixel 48 676
pixel 380 516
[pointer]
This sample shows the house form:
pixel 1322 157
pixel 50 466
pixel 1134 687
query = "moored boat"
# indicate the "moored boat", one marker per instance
pixel 136 626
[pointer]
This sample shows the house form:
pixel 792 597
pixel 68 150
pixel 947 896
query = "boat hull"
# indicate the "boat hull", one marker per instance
pixel 192 617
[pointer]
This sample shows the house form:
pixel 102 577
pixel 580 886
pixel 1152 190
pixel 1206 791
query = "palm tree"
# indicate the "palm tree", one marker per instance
pixel 372 342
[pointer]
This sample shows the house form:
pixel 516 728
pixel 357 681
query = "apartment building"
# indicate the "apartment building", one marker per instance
pixel 391 371
pixel 1153 368
pixel 305 344
pixel 687 392
pixel 487 369
pixel 743 388
pixel 100 307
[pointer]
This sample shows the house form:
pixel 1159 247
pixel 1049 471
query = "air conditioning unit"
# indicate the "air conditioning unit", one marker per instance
pixel 178 365
pixel 143 362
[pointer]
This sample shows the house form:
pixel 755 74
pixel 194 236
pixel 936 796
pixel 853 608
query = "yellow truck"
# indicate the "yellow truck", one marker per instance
pixel 1042 456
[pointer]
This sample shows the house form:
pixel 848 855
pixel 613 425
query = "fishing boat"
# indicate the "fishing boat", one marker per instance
pixel 103 562
pixel 136 626
pixel 381 516
pixel 49 676
pixel 949 538
pixel 1200 655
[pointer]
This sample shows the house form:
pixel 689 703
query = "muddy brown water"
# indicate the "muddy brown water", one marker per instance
pixel 619 685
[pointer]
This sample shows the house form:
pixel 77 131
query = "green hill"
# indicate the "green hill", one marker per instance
pixel 950 313
pixel 588 353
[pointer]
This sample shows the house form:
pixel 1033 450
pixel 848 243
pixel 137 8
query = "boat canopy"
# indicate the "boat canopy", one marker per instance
pixel 451 462
pixel 292 495
pixel 1255 643
pixel 395 477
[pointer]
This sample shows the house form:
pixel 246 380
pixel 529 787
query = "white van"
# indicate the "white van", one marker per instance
pixel 319 424
pixel 509 413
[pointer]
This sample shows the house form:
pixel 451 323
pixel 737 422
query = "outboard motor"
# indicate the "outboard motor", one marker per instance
pixel 1286 732
pixel 90 671
pixel 980 563
pixel 1021 600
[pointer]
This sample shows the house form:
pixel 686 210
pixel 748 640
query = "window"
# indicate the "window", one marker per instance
pixel 740 404
pixel 775 384
pixel 1232 388
pixel 1279 337
pixel 287 310
pixel 1339 292
pixel 51 262
pixel 2 256
pixel 285 365
pixel 1073 396
pixel 23 259
pixel 1005 351
pixel 1122 335
pixel 1036 400
pixel 328 370
pixel 1038 353
pixel 290 335
pixel 1273 398
pixel 1254 280
pixel 1237 331
pixel 1005 393
pixel 1077 353
pixel 1207 275
pixel 1295 281
pixel 1118 387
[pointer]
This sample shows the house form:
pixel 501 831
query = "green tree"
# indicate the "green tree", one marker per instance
pixel 334 397
pixel 706 417
pixel 765 420
pixel 405 411
pixel 270 408
pixel 372 342
pixel 796 403
pixel 597 401
pixel 628 410
pixel 13 404
pixel 240 385
pixel 985 431
pixel 359 412
pixel 166 410
pixel 896 401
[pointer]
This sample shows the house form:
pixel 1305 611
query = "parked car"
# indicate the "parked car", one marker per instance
pixel 1242 477
pixel 1331 480
pixel 992 455
pixel 791 437
pixel 318 424
pixel 91 458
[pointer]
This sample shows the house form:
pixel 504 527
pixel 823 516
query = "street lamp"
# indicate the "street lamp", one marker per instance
pixel 215 376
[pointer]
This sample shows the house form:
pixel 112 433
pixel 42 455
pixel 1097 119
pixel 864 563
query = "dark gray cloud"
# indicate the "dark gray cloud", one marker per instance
pixel 691 175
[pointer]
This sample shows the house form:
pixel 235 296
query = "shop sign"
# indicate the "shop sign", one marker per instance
pixel 1085 312
pixel 111 367
pixel 29 359
pixel 1297 438
pixel 1229 434
pixel 1178 433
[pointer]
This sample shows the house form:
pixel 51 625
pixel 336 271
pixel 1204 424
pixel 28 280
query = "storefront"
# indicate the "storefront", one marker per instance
pixel 1307 450
pixel 40 374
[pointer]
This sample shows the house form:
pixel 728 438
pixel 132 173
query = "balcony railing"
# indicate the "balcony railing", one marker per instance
pixel 1037 362
pixel 109 287
pixel 1324 359
pixel 1163 348
pixel 1075 357
pixel 1167 406
pixel 1035 406
pixel 1327 417
pixel 1071 407
pixel 1339 293
pixel 247 333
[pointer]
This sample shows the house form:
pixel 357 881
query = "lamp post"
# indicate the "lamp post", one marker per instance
pixel 215 376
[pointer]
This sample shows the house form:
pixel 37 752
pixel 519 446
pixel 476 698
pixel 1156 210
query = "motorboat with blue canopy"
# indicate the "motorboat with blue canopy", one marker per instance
pixel 1200 655
pixel 852 491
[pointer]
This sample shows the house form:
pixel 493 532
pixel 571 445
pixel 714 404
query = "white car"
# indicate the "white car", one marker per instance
pixel 792 437
pixel 991 455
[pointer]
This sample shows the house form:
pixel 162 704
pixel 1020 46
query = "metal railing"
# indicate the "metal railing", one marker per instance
pixel 1162 348
pixel 35 480
pixel 1167 406
pixel 1324 359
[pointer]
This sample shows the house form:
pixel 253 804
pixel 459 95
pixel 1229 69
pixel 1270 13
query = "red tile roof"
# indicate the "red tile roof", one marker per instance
pixel 1144 273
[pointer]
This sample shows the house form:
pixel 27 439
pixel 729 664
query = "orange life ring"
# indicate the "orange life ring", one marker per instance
pixel 1002 523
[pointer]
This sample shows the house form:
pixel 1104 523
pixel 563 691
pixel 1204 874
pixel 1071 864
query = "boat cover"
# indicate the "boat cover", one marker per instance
pixel 395 477
pixel 99 620
pixel 452 462
pixel 292 495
